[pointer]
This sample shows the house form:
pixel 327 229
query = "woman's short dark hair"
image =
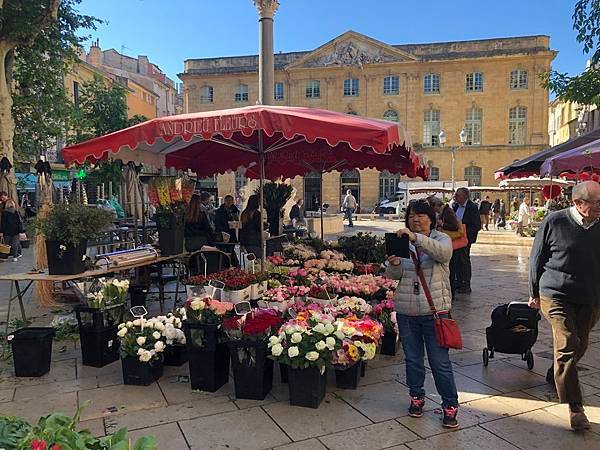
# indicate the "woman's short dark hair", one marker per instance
pixel 420 207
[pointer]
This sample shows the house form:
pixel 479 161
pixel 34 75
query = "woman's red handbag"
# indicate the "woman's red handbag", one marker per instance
pixel 462 241
pixel 447 332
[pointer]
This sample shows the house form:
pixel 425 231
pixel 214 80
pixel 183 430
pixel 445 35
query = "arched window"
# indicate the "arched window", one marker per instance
pixel 473 175
pixel 517 125
pixel 388 184
pixel 241 93
pixel 350 179
pixel 473 126
pixel 391 115
pixel 312 191
pixel 206 94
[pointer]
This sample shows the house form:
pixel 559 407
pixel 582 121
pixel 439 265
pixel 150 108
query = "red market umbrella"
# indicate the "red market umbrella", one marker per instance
pixel 583 158
pixel 271 141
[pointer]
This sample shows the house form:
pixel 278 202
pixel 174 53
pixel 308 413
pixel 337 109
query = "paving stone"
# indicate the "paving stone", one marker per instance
pixel 247 429
pixel 43 405
pixel 168 414
pixel 541 430
pixel 167 436
pixel 59 371
pixel 474 438
pixel 32 392
pixel 124 399
pixel 379 435
pixel 468 389
pixel 506 405
pixel 502 376
pixel 6 395
pixel 176 391
pixel 379 374
pixel 95 426
pixel 547 392
pixel 379 402
pixel 592 411
pixel 309 444
pixel 387 360
pixel 245 403
pixel 300 423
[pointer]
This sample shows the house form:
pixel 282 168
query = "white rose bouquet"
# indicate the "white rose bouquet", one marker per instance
pixel 142 338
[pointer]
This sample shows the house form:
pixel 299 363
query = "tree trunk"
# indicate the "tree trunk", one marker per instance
pixel 7 123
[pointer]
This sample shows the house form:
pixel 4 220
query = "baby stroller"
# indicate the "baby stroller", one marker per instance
pixel 514 330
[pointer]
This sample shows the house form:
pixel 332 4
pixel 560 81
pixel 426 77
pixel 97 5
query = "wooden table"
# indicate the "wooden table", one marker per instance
pixel 30 277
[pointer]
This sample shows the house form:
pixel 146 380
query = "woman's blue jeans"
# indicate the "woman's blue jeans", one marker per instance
pixel 418 333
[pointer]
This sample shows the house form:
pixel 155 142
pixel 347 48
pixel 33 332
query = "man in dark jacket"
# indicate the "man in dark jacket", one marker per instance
pixel 297 214
pixel 485 208
pixel 563 282
pixel 226 213
pixel 468 213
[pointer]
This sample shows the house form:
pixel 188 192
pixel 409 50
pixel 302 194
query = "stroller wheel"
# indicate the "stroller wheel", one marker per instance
pixel 486 357
pixel 529 359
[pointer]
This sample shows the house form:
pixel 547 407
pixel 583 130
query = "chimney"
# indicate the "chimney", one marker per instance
pixel 143 63
pixel 94 57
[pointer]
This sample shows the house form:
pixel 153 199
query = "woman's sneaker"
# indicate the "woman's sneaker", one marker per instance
pixel 449 420
pixel 416 407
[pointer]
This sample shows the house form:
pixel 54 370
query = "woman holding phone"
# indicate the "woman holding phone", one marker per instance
pixel 432 251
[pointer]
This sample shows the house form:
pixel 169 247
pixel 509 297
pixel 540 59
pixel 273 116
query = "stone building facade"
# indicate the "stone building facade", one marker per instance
pixel 489 87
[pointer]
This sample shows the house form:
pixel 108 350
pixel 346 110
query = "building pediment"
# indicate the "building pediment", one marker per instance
pixel 352 49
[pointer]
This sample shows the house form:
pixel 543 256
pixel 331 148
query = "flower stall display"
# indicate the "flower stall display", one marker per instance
pixel 97 321
pixel 384 313
pixel 281 297
pixel 169 196
pixel 330 260
pixel 299 253
pixel 141 346
pixel 208 353
pixel 369 287
pixel 175 353
pixel 364 247
pixel 237 283
pixel 352 306
pixel 361 268
pixel 248 338
pixel 306 345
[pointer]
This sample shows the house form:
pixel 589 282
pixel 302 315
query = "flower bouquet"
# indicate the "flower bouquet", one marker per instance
pixel 141 346
pixel 248 336
pixel 351 306
pixel 237 283
pixel 305 345
pixel 175 353
pixel 278 298
pixel 384 313
pixel 361 268
pixel 97 321
pixel 208 353
pixel 299 252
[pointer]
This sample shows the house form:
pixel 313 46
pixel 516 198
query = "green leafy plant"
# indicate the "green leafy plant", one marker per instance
pixel 275 197
pixel 364 247
pixel 73 223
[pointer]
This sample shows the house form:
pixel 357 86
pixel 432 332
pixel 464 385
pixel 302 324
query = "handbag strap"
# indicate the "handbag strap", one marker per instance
pixel 417 263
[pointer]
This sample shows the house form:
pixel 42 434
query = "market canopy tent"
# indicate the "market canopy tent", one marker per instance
pixel 270 141
pixel 532 164
pixel 583 158
pixel 532 183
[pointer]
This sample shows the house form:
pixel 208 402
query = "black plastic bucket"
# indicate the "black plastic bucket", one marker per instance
pixel 32 351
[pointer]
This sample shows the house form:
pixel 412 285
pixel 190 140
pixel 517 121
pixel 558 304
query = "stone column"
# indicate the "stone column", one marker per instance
pixel 266 60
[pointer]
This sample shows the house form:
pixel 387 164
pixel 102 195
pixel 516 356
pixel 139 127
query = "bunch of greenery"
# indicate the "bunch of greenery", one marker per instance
pixel 364 247
pixel 276 195
pixel 73 223
pixel 59 431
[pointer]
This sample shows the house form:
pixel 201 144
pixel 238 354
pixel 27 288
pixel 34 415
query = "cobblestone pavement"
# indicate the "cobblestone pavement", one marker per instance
pixel 503 406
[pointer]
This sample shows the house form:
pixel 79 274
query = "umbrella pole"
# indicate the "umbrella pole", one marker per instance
pixel 144 232
pixel 321 199
pixel 261 162
pixel 135 214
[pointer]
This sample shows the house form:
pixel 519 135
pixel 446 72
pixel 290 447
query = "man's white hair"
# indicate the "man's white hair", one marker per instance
pixel 582 191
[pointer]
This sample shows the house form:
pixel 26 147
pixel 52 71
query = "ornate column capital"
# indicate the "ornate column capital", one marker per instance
pixel 266 8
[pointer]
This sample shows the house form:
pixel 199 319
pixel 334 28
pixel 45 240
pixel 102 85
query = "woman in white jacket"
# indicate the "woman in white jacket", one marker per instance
pixel 433 250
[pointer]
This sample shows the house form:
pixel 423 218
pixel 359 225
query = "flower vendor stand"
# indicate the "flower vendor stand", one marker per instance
pixel 32 350
pixel 307 386
pixel 208 356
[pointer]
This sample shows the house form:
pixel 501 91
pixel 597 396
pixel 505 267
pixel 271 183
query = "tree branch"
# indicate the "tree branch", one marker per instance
pixel 44 20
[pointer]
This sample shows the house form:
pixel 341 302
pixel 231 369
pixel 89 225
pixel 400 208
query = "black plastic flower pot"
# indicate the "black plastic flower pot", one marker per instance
pixel 283 372
pixel 99 348
pixel 175 355
pixel 363 368
pixel 208 356
pixel 389 343
pixel 32 351
pixel 137 373
pixel 170 234
pixel 137 295
pixel 347 377
pixel 99 319
pixel 307 386
pixel 67 260
pixel 252 370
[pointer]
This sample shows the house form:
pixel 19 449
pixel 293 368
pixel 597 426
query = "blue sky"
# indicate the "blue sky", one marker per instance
pixel 170 31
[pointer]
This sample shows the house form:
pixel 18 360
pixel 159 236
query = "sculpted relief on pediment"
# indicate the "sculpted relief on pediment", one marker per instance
pixel 351 53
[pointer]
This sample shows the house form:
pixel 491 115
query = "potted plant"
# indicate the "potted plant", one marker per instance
pixel 248 337
pixel 175 353
pixel 208 353
pixel 306 345
pixel 170 196
pixel 32 350
pixel 384 313
pixel 142 345
pixel 67 229
pixel 97 322
pixel 276 195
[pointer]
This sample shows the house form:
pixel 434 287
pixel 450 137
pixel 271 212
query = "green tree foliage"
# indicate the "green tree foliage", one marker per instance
pixel 41 108
pixel 584 88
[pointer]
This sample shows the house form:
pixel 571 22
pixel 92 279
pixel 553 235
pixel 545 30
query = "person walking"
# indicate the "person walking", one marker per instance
pixel 11 225
pixel 495 212
pixel 515 205
pixel 564 285
pixel 432 251
pixel 468 213
pixel 501 215
pixel 484 212
pixel 449 224
pixel 198 230
pixel 523 217
pixel 349 206
pixel 224 214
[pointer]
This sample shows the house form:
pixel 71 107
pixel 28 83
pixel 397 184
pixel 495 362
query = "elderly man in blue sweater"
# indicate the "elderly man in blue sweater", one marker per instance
pixel 564 282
